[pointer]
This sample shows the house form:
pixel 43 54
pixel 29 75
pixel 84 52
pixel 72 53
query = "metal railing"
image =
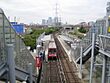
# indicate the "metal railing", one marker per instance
pixel 8 35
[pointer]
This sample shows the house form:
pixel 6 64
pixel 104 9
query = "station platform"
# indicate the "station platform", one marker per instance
pixel 65 38
pixel 67 49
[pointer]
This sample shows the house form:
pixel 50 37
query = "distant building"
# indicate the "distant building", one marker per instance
pixel 91 23
pixel 27 29
pixel 101 25
pixel 19 28
pixel 44 22
pixel 68 27
pixel 84 24
pixel 108 18
pixel 50 21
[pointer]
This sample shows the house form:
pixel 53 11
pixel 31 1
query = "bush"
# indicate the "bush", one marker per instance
pixel 82 30
pixel 80 36
pixel 30 39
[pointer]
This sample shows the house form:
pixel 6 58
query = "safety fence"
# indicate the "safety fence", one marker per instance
pixel 8 35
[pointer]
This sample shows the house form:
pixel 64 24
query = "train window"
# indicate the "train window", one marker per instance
pixel 41 53
pixel 51 51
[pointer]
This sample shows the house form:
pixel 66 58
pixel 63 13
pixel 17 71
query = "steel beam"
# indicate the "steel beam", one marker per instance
pixel 11 63
pixel 30 73
pixel 104 36
pixel 92 57
pixel 104 53
pixel 104 69
pixel 81 55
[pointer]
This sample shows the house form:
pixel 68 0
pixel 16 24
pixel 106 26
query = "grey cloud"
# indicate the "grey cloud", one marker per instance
pixel 70 10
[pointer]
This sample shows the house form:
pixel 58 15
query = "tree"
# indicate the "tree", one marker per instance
pixel 30 39
pixel 82 30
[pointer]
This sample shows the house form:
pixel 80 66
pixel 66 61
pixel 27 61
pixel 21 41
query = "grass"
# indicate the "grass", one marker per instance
pixel 77 34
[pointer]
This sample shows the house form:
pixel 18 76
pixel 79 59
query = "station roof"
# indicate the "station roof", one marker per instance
pixel 65 38
pixel 46 38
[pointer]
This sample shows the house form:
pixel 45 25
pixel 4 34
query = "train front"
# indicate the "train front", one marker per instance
pixel 52 51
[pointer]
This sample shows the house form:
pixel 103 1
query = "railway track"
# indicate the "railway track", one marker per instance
pixel 68 69
pixel 60 70
pixel 52 72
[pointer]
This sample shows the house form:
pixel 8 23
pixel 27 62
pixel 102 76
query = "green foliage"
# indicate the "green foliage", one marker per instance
pixel 30 39
pixel 77 34
pixel 50 30
pixel 72 33
pixel 82 30
pixel 80 36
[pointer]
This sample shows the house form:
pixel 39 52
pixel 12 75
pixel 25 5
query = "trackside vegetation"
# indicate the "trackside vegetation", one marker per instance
pixel 30 39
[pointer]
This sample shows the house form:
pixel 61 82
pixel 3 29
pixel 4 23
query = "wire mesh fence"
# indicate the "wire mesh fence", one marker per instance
pixel 9 36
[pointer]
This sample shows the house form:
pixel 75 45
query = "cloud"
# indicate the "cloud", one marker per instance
pixel 71 11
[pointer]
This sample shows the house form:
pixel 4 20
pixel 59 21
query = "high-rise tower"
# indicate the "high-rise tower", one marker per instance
pixel 108 18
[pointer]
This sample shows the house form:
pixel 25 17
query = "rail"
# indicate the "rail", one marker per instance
pixel 51 72
pixel 70 74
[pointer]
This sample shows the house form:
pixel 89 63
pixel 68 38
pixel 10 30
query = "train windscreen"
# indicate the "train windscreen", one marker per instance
pixel 52 51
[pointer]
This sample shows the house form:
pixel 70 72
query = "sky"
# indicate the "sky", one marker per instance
pixel 70 11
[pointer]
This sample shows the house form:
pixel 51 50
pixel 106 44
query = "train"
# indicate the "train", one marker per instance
pixel 52 50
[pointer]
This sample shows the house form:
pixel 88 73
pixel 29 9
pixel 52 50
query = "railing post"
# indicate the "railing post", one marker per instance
pixel 104 69
pixel 11 63
pixel 81 55
pixel 92 57
pixel 30 73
